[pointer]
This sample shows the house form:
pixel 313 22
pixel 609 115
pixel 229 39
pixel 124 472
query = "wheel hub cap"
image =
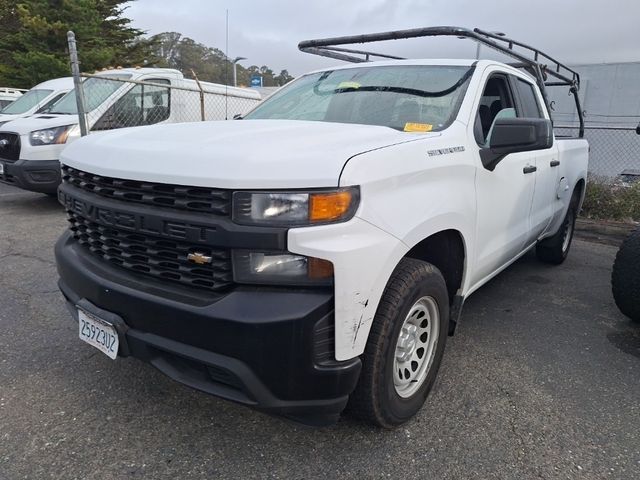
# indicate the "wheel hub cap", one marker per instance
pixel 416 346
pixel 406 343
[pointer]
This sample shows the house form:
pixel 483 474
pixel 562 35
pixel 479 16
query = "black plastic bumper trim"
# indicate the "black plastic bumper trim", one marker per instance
pixel 42 176
pixel 252 346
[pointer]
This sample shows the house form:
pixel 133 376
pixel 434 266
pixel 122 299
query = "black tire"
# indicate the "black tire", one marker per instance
pixel 555 249
pixel 375 399
pixel 625 279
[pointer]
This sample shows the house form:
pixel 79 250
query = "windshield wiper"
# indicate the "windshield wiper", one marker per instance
pixel 402 90
pixel 407 91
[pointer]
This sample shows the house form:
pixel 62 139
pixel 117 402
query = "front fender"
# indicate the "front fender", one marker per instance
pixel 363 258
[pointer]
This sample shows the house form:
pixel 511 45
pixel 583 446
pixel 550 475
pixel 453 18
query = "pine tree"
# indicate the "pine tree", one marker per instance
pixel 33 38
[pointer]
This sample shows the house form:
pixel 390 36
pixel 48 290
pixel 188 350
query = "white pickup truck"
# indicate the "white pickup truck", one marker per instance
pixel 318 251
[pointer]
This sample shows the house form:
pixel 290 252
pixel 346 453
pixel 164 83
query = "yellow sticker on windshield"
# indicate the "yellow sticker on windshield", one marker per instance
pixel 345 85
pixel 418 127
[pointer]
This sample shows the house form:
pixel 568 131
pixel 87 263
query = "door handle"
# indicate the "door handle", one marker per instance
pixel 529 169
pixel 555 163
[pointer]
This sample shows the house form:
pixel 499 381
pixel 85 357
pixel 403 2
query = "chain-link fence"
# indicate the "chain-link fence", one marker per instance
pixel 115 100
pixel 131 97
pixel 613 149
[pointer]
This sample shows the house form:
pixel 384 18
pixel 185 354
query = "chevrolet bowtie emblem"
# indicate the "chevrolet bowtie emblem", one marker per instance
pixel 199 258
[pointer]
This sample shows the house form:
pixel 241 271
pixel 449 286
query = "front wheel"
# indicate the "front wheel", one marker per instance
pixel 405 346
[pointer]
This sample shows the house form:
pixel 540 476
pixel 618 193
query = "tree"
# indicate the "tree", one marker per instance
pixel 33 38
pixel 209 64
pixel 283 78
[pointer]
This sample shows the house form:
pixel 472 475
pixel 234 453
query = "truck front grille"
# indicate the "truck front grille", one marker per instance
pixel 9 147
pixel 155 257
pixel 200 199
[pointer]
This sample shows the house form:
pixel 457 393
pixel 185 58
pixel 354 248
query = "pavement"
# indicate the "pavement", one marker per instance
pixel 542 380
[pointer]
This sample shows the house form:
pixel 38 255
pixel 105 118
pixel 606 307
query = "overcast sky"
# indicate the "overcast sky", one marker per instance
pixel 267 32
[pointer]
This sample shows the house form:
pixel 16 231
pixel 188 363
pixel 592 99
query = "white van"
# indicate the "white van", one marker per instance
pixel 30 147
pixel 36 100
pixel 9 95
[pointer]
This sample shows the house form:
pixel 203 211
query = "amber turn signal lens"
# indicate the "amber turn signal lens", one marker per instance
pixel 326 207
pixel 319 268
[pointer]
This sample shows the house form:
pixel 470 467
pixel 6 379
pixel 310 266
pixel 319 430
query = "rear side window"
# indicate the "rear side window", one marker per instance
pixel 528 99
pixel 141 105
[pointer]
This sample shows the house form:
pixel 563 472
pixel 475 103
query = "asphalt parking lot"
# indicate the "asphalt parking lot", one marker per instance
pixel 542 380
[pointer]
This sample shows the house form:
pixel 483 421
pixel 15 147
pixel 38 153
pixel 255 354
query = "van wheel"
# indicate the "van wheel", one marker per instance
pixel 555 249
pixel 625 279
pixel 405 346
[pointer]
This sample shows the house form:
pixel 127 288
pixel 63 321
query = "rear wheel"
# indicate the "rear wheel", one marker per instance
pixel 625 279
pixel 405 346
pixel 555 249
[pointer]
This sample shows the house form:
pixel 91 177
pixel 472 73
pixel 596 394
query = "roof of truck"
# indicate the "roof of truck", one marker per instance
pixel 136 73
pixel 64 83
pixel 139 71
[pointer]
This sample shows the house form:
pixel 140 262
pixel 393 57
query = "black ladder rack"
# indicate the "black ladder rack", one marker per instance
pixel 537 63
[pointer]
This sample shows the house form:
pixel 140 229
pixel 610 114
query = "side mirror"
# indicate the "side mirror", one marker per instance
pixel 512 135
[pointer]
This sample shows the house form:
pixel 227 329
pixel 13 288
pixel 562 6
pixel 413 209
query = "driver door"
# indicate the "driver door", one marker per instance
pixel 504 196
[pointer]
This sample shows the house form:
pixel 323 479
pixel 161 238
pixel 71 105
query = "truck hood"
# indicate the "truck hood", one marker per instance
pixel 26 125
pixel 6 117
pixel 232 154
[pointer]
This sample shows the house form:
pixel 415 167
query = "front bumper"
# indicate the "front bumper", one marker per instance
pixel 42 176
pixel 268 348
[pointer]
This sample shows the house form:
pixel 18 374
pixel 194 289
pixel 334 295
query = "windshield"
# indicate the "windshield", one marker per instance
pixel 404 97
pixel 26 102
pixel 96 91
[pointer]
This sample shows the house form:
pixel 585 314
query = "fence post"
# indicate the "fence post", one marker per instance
pixel 201 95
pixel 77 83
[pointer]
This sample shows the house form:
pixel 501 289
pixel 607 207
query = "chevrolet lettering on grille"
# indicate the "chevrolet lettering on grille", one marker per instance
pixel 137 222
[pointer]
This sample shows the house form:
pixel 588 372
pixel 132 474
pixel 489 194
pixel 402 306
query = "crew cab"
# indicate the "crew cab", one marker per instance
pixel 126 97
pixel 319 251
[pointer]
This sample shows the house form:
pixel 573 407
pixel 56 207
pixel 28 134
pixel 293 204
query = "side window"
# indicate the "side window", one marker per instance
pixel 141 105
pixel 156 104
pixel 51 103
pixel 496 99
pixel 528 100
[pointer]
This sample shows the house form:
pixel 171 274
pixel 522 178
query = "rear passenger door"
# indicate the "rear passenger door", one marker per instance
pixel 545 199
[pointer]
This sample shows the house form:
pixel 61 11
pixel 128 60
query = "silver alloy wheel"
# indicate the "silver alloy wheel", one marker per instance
pixel 416 346
pixel 568 230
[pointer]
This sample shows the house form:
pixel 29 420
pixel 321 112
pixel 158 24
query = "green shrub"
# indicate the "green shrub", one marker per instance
pixel 606 200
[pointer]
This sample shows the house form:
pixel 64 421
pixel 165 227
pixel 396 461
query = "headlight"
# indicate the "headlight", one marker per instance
pixel 50 136
pixel 280 269
pixel 295 208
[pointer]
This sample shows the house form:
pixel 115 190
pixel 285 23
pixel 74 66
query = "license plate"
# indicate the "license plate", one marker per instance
pixel 98 333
